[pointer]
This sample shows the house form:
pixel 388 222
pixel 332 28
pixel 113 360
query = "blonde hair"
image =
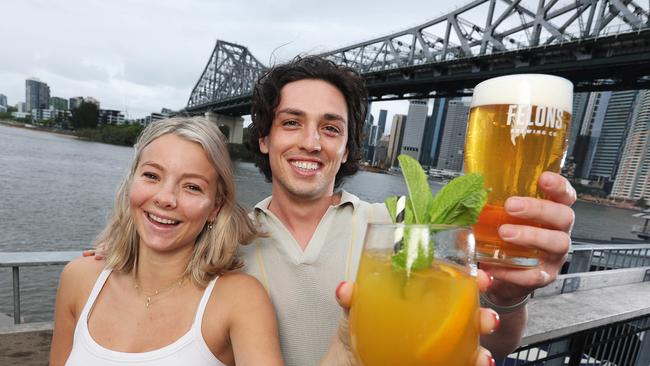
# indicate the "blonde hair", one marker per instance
pixel 215 250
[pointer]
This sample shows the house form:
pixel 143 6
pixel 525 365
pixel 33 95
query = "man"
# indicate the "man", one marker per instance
pixel 307 118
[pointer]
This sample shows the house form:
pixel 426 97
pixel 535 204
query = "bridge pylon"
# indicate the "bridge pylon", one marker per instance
pixel 231 126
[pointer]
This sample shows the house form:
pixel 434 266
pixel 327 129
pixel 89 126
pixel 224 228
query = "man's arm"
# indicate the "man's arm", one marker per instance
pixel 512 285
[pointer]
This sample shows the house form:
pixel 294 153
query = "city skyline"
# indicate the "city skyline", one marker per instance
pixel 143 56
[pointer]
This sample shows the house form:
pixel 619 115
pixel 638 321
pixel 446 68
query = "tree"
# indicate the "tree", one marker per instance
pixel 85 116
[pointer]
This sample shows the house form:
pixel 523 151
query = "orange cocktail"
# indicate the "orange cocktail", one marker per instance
pixel 426 317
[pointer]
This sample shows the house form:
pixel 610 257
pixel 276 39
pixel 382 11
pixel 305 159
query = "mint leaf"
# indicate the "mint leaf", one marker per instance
pixel 391 205
pixel 460 201
pixel 418 187
pixel 417 251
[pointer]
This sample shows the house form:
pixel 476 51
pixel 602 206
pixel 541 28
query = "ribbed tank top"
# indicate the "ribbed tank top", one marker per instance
pixel 190 349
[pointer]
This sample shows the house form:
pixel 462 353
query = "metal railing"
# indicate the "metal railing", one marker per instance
pixel 15 260
pixel 625 343
pixel 594 257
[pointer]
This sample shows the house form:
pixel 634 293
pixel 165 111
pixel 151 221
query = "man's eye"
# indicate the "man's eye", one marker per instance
pixel 290 123
pixel 333 129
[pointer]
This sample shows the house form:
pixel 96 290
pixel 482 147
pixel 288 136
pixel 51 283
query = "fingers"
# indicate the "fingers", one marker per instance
pixel 344 294
pixel 553 243
pixel 484 358
pixel 549 214
pixel 484 280
pixel 557 188
pixel 489 321
pixel 525 279
pixel 88 253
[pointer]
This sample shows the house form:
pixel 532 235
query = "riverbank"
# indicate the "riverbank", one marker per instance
pixel 26 126
pixel 609 202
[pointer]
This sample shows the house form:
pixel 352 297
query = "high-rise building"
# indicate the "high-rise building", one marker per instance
pixel 3 100
pixel 414 128
pixel 609 148
pixel 577 116
pixel 432 133
pixel 381 123
pixel 584 148
pixel 75 102
pixel 633 176
pixel 395 142
pixel 37 94
pixel 366 132
pixel 381 150
pixel 59 103
pixel 373 137
pixel 452 145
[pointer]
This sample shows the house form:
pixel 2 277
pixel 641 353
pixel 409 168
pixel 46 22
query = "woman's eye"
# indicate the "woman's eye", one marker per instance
pixel 193 187
pixel 151 176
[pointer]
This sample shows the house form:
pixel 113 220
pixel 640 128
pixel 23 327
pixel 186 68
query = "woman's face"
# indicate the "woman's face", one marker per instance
pixel 172 194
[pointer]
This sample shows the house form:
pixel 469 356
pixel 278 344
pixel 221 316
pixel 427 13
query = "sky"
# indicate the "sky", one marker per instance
pixel 140 56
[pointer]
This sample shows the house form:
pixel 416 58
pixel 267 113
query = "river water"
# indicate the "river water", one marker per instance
pixel 56 193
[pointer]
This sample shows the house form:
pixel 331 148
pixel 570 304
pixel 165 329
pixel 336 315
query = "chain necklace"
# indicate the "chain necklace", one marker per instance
pixel 150 294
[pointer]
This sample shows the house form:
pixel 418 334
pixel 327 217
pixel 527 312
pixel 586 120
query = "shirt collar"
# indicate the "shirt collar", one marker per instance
pixel 346 198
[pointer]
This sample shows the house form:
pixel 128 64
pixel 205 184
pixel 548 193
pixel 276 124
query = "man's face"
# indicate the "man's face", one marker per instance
pixel 307 141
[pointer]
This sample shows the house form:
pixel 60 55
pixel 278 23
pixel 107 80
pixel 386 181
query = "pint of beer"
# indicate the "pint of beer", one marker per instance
pixel 518 128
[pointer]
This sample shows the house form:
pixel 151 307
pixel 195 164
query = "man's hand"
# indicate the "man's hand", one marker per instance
pixel 340 351
pixel 512 285
pixel 552 241
pixel 97 253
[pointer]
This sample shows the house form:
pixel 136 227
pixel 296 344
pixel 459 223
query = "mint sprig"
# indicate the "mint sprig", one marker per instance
pixel 458 203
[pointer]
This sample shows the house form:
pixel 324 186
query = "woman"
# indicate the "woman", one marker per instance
pixel 167 292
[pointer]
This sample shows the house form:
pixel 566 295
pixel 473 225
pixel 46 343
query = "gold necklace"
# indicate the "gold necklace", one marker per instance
pixel 150 294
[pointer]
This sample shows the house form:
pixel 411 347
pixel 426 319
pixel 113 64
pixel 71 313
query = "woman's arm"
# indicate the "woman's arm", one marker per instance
pixel 65 310
pixel 253 325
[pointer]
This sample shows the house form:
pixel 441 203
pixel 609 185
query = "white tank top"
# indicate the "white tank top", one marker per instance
pixel 190 349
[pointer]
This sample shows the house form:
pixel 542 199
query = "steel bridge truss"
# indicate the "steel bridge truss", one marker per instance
pixel 509 25
pixel 231 72
pixel 598 44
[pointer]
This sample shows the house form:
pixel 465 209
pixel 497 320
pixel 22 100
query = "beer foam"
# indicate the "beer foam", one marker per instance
pixel 532 89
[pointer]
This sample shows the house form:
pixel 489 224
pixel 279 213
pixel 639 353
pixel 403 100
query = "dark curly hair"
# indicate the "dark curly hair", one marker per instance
pixel 266 98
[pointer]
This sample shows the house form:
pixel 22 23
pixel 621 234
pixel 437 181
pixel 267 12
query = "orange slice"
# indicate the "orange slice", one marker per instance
pixel 440 345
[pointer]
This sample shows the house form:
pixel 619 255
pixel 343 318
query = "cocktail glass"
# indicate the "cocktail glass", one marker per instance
pixel 424 312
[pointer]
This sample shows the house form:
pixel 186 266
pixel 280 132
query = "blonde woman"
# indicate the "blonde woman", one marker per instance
pixel 168 292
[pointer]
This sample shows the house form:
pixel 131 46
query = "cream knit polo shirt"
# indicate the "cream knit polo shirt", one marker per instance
pixel 302 284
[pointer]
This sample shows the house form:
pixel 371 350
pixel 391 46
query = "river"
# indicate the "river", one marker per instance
pixel 56 193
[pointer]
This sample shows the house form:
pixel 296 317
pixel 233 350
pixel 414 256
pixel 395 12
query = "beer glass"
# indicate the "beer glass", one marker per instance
pixel 518 128
pixel 405 313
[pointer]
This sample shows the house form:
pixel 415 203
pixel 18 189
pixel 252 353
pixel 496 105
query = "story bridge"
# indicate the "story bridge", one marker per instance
pixel 597 44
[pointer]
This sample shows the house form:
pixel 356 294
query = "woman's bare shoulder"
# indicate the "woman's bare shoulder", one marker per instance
pixel 81 272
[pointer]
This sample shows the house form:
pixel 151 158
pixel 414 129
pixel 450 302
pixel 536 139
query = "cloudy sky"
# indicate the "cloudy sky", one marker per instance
pixel 140 56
